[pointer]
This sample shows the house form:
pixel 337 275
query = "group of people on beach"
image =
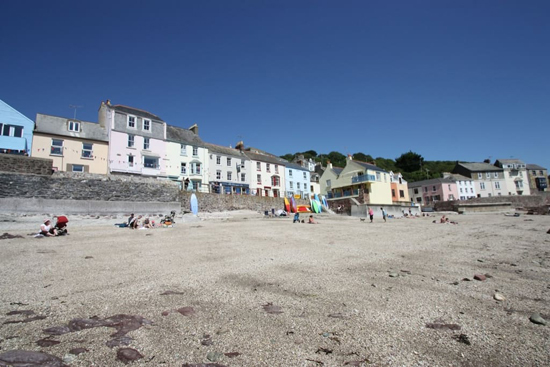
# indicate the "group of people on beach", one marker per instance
pixel 140 222
pixel 310 220
pixel 47 229
pixel 371 214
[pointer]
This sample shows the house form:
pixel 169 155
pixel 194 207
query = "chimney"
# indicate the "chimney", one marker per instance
pixel 240 145
pixel 329 165
pixel 350 157
pixel 195 129
pixel 103 113
pixel 446 174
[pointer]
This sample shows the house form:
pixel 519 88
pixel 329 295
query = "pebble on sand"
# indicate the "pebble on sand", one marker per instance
pixel 536 318
pixel 480 277
pixel 499 297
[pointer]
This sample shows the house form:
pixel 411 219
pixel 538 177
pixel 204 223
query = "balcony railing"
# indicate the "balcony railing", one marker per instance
pixel 363 178
pixel 345 193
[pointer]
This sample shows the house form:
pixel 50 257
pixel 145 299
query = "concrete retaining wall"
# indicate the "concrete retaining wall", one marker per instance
pixel 91 207
pixel 395 210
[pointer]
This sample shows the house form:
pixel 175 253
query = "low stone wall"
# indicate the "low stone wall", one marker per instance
pixel 516 201
pixel 220 202
pixel 101 188
pixel 465 208
pixel 23 164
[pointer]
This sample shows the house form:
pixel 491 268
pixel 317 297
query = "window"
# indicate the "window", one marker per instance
pixel 392 193
pixel 78 168
pixel 229 176
pixel 328 183
pixel 495 175
pixel 218 159
pixel 519 184
pixel 533 173
pixel 415 191
pixel 12 130
pixel 228 162
pixel 461 190
pixel 377 176
pixel 425 188
pixel 183 168
pixel 480 175
pixel 482 185
pixel 497 185
pixel 401 193
pixel 183 149
pixel 146 125
pixel 131 122
pixel 130 161
pixel 488 174
pixel 195 151
pixel 289 173
pixel 74 126
pixel 243 177
pixel 57 147
pixel 305 176
pixel 146 143
pixel 195 168
pixel 541 173
pixel 87 150
pixel 298 185
pixel 275 180
pixel 150 162
pixel 218 175
pixel 449 187
pixel 472 190
pixel 291 184
pixel 130 141
pixel 385 178
pixel 276 168
pixel 433 188
pixel 258 166
pixel 267 167
pixel 259 179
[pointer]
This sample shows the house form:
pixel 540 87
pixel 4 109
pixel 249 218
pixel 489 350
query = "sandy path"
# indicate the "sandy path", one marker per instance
pixel 228 265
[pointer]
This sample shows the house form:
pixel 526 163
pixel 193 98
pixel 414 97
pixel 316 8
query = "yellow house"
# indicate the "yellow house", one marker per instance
pixel 73 145
pixel 365 182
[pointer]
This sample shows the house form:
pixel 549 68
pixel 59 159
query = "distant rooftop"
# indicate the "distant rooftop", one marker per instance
pixel 136 111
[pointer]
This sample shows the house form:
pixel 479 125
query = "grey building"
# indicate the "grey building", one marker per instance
pixel 489 179
pixel 537 177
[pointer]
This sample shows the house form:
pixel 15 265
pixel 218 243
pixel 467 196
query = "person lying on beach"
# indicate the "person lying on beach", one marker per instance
pixel 47 230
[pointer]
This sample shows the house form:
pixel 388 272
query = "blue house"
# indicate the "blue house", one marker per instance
pixel 15 131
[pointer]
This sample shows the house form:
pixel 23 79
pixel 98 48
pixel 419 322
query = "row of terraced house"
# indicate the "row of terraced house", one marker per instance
pixel 131 141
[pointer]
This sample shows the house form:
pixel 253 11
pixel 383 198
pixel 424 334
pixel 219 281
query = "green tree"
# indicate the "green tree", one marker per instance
pixel 386 164
pixel 289 157
pixel 409 162
pixel 337 159
pixel 363 157
pixel 309 154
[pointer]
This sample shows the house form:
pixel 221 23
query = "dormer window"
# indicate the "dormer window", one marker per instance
pixel 146 125
pixel 131 122
pixel 74 126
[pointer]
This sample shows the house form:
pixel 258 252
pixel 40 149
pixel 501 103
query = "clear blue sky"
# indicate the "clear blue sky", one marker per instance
pixel 450 80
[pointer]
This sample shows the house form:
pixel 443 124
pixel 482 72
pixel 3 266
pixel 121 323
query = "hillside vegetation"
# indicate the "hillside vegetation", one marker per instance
pixel 412 165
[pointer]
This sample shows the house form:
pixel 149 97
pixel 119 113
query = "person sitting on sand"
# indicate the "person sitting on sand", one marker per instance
pixel 134 224
pixel 147 223
pixel 311 221
pixel 443 219
pixel 47 230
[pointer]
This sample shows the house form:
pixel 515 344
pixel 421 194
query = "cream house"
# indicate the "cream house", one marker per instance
pixel 186 158
pixel 73 145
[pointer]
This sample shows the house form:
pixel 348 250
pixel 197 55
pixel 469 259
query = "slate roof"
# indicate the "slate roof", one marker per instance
pixel 214 148
pixel 479 167
pixel 431 182
pixel 535 166
pixel 509 161
pixel 180 135
pixel 136 111
pixel 337 170
pixel 459 177
pixel 295 166
pixel 55 125
pixel 269 158
pixel 369 166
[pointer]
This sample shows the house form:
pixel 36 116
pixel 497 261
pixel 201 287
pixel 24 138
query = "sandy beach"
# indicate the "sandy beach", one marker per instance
pixel 237 289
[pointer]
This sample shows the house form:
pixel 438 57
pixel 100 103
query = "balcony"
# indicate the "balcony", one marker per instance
pixel 363 178
pixel 343 194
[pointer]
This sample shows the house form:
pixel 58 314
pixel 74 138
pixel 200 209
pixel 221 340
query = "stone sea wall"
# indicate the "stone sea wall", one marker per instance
pixel 23 164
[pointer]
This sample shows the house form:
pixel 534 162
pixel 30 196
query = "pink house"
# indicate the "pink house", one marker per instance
pixel 428 192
